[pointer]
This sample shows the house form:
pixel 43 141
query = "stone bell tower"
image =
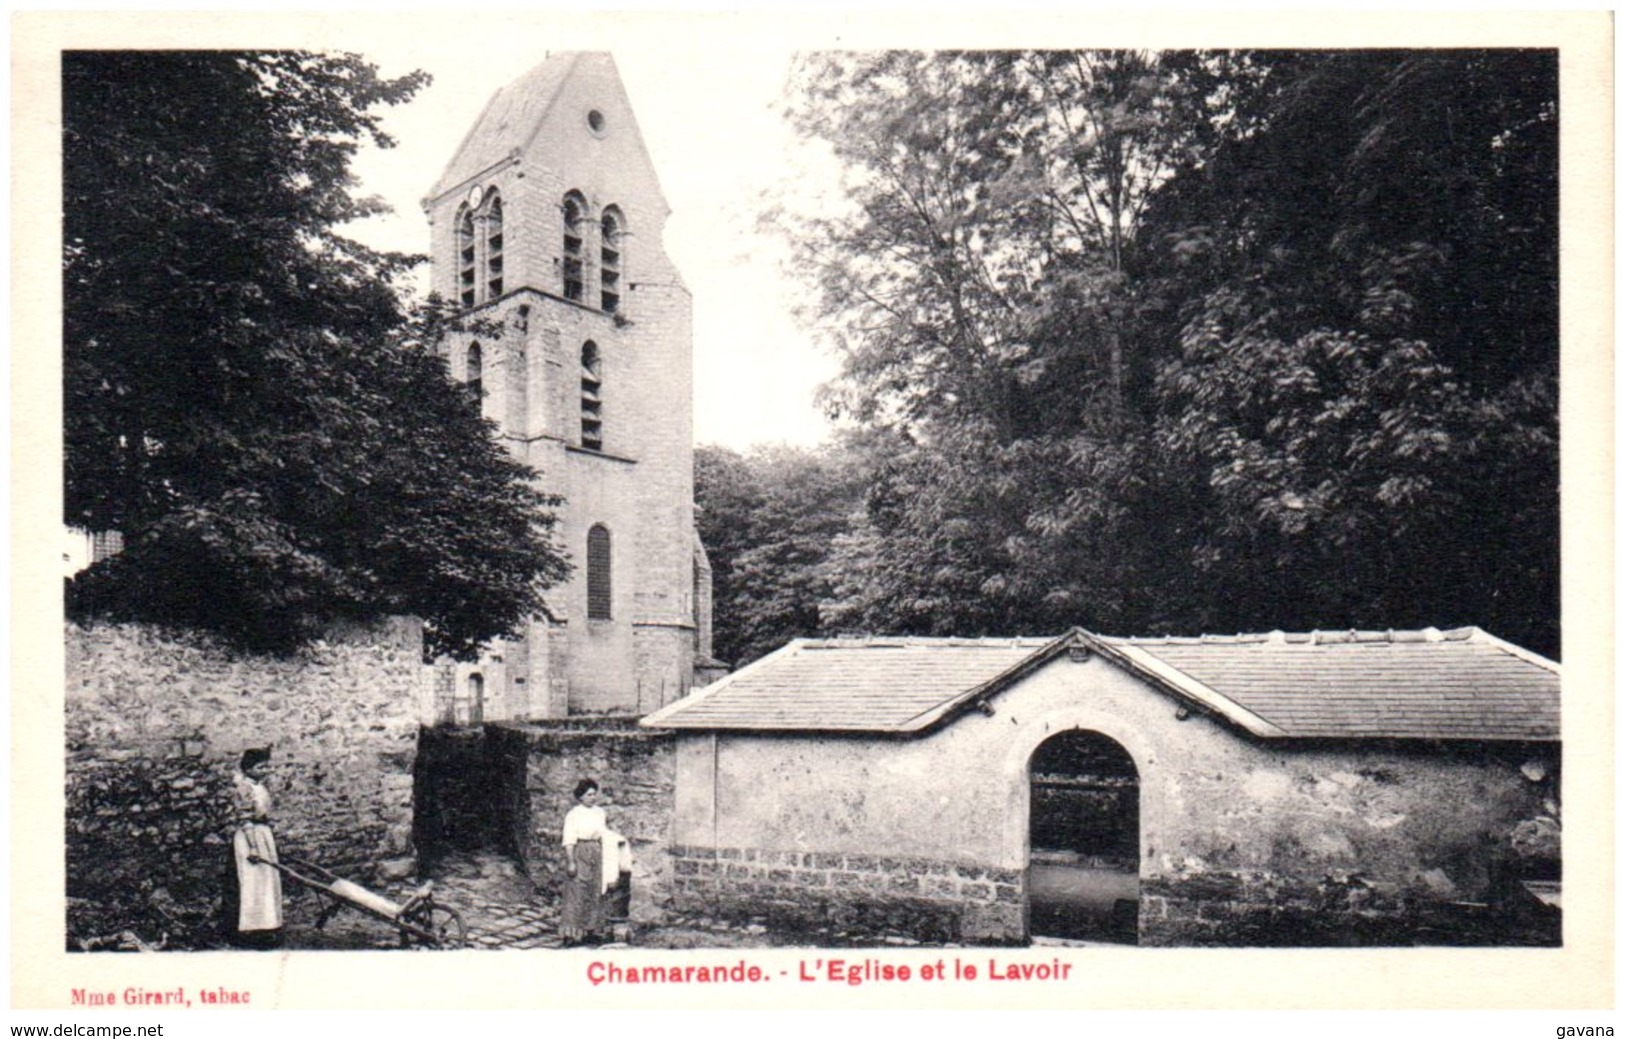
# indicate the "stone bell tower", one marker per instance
pixel 546 227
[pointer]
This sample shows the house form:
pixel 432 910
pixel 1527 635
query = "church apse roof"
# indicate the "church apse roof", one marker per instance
pixel 1462 684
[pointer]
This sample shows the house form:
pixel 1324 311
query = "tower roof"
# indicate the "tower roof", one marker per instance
pixel 511 119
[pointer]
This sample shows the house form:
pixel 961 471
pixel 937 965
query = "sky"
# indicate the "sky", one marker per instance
pixel 710 118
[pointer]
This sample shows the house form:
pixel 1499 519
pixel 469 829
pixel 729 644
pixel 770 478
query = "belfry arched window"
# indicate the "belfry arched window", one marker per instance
pixel 493 247
pixel 592 397
pixel 598 576
pixel 473 369
pixel 575 224
pixel 465 256
pixel 612 229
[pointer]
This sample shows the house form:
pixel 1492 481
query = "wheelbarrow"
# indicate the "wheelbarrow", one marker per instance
pixel 419 919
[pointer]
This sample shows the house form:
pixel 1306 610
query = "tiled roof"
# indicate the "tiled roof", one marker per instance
pixel 1461 684
pixel 509 120
pixel 850 685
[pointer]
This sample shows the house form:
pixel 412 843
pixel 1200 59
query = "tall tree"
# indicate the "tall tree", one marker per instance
pixel 1365 390
pixel 985 254
pixel 245 397
pixel 1194 340
pixel 982 288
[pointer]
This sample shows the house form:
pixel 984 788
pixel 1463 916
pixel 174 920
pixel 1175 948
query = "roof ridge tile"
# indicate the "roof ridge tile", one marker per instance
pixel 1318 636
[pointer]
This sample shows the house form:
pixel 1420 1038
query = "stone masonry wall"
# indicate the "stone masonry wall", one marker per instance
pixel 536 768
pixel 849 894
pixel 1357 844
pixel 155 726
pixel 1267 908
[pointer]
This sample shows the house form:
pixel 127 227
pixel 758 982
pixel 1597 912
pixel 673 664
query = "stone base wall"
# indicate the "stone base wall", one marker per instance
pixel 855 895
pixel 1265 909
pixel 535 769
pixel 156 724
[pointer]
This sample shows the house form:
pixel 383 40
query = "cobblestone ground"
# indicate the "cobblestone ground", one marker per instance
pixel 499 907
pixel 498 903
pixel 502 910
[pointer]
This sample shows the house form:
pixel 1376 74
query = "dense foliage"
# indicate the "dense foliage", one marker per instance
pixel 246 398
pixel 1191 341
pixel 770 520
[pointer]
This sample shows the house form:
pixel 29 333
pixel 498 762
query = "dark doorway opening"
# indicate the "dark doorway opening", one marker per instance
pixel 1083 875
pixel 460 788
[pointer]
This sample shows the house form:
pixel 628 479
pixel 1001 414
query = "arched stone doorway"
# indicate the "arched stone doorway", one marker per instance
pixel 1083 879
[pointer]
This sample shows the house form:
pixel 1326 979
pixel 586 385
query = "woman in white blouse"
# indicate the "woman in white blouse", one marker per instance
pixel 588 849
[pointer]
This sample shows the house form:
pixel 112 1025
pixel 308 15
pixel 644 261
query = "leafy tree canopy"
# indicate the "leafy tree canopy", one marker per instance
pixel 1363 289
pixel 246 397
pixel 1192 340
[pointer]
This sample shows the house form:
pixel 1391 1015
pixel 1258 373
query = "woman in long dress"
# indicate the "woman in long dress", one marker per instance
pixel 258 909
pixel 581 917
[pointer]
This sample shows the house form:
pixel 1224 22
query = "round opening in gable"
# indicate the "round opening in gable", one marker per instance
pixel 595 121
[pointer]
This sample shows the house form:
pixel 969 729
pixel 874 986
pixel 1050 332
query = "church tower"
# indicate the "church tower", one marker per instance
pixel 546 227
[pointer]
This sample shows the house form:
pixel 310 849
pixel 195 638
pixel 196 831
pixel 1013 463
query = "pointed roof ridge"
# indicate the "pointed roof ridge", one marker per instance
pixel 544 80
pixel 571 59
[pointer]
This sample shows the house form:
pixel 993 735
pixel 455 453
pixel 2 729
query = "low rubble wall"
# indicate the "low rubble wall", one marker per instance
pixel 155 725
pixel 535 767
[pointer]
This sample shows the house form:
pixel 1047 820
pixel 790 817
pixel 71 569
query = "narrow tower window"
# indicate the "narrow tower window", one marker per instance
pixel 575 281
pixel 611 228
pixel 592 397
pixel 465 256
pixel 473 369
pixel 598 583
pixel 493 248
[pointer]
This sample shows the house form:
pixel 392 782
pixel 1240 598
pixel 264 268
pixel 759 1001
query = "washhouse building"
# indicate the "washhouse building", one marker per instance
pixel 1324 788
